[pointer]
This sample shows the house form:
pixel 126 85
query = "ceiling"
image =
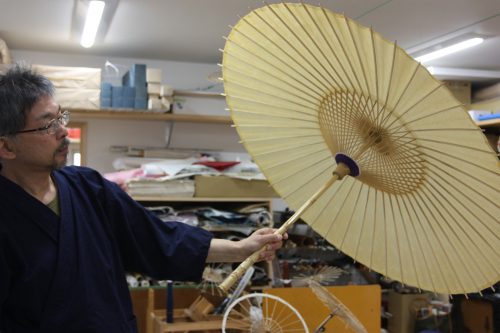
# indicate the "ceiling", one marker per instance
pixel 192 30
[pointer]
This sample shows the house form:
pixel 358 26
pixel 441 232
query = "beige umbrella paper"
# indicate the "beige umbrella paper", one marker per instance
pixel 367 147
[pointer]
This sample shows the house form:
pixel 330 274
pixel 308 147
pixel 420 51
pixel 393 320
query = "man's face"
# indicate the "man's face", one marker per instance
pixel 40 150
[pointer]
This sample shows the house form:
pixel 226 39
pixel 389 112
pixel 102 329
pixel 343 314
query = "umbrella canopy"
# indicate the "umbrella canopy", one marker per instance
pixel 336 307
pixel 309 90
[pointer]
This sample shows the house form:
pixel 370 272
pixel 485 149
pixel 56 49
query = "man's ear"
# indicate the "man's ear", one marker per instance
pixel 7 151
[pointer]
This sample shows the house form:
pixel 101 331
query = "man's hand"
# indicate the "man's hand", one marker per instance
pixel 223 250
pixel 262 238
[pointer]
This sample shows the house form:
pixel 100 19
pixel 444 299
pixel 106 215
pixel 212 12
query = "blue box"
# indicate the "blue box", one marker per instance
pixel 136 77
pixel 128 97
pixel 117 97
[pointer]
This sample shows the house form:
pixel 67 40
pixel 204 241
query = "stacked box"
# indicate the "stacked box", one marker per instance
pixel 153 79
pixel 76 87
pixel 136 77
pixel 106 89
pixel 116 97
pixel 128 97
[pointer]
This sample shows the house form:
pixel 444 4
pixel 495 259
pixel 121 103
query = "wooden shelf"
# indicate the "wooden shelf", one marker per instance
pixel 135 114
pixel 490 123
pixel 197 199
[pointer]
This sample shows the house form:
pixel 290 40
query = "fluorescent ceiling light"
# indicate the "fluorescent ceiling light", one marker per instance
pixel 449 72
pixel 450 49
pixel 94 15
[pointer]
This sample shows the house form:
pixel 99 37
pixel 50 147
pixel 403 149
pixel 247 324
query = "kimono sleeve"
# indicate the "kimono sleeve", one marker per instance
pixel 163 250
pixel 6 276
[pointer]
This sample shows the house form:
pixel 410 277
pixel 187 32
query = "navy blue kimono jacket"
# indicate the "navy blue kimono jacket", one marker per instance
pixel 66 274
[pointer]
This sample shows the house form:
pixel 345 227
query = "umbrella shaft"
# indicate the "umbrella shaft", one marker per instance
pixel 341 171
pixel 306 205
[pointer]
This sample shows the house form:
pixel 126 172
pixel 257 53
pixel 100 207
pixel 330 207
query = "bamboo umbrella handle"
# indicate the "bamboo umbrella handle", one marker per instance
pixel 339 173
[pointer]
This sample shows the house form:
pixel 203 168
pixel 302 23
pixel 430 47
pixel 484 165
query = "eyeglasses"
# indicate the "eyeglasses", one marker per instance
pixel 52 126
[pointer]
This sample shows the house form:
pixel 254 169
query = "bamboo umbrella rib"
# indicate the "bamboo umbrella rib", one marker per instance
pixel 365 112
pixel 486 152
pixel 364 221
pixel 408 109
pixel 281 137
pixel 451 166
pixel 374 55
pixel 453 230
pixel 304 94
pixel 389 85
pixel 434 226
pixel 351 114
pixel 327 40
pixel 313 41
pixel 332 29
pixel 442 152
pixel 385 232
pixel 420 248
pixel 308 91
pixel 334 218
pixel 395 230
pixel 401 94
pixel 440 130
pixel 293 159
pixel 305 46
pixel 292 46
pixel 375 224
pixel 356 48
pixel 277 165
pixel 307 119
pixel 277 181
pixel 472 202
pixel 400 230
pixel 285 64
pixel 429 249
pixel 464 232
pixel 298 185
pixel 341 115
pixel 430 115
pixel 406 175
pixel 261 93
pixel 287 195
pixel 291 68
pixel 275 127
pixel 349 224
pixel 405 160
pixel 472 188
pixel 293 148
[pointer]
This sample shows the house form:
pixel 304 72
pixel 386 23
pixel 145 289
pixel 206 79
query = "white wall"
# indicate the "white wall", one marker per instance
pixel 101 134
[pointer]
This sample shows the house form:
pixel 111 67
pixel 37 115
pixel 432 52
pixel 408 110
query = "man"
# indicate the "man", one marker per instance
pixel 67 235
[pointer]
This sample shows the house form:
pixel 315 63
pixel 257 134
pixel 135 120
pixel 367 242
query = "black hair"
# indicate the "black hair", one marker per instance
pixel 20 89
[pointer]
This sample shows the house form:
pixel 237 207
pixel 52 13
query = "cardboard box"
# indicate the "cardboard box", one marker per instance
pixel 402 309
pixel 227 187
pixel 196 105
pixel 71 77
pixel 77 98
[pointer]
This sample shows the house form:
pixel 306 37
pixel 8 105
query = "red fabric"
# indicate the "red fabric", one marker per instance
pixel 220 166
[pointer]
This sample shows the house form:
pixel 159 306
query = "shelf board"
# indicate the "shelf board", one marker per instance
pixel 135 114
pixel 197 93
pixel 198 199
pixel 490 123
